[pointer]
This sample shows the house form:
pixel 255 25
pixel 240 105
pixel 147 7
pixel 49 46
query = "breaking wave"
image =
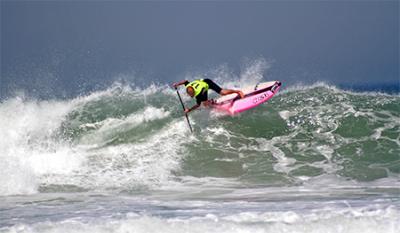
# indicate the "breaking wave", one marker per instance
pixel 127 139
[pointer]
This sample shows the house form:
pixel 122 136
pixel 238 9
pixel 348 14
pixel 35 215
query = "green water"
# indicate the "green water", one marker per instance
pixel 298 134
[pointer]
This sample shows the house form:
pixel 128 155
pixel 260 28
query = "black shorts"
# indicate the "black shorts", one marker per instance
pixel 203 96
pixel 212 85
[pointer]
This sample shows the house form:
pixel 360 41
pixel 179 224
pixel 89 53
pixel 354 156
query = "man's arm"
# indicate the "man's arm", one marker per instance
pixel 179 83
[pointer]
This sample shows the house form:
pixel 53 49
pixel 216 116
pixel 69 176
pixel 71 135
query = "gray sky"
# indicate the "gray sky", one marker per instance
pixel 71 46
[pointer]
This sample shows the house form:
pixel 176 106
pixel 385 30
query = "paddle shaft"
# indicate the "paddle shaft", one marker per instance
pixel 183 106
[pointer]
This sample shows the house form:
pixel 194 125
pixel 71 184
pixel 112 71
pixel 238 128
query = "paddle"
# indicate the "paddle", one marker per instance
pixel 183 106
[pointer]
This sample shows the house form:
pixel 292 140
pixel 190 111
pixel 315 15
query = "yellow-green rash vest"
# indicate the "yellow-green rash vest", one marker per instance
pixel 199 86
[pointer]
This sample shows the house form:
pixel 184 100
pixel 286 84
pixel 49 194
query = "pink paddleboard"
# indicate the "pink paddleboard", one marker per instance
pixel 254 96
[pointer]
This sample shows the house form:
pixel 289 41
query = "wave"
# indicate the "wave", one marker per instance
pixel 125 139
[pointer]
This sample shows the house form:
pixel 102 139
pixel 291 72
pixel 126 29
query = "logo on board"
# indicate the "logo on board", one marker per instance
pixel 260 98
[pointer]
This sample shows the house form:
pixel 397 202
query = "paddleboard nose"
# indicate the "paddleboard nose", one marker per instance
pixel 276 85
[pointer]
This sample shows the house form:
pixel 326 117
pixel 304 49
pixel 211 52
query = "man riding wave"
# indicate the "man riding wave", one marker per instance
pixel 199 89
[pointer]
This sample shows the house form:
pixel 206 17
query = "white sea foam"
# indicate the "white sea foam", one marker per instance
pixel 284 164
pixel 26 145
pixel 285 114
pixel 111 126
pixel 144 163
pixel 305 86
pixel 344 220
pixel 34 154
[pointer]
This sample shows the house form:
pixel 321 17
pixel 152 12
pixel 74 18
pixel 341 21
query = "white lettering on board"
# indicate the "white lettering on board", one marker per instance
pixel 260 98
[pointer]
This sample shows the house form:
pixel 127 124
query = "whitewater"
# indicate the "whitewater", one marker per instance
pixel 314 158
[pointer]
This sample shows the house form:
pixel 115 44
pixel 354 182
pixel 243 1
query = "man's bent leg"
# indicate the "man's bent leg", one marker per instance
pixel 228 91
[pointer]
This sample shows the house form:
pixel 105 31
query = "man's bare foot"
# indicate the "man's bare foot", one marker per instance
pixel 241 94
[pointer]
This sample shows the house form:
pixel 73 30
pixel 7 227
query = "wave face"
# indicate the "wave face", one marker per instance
pixel 130 140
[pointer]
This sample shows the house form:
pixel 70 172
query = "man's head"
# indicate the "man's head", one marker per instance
pixel 190 91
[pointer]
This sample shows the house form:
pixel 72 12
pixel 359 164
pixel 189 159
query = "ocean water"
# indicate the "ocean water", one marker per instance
pixel 312 159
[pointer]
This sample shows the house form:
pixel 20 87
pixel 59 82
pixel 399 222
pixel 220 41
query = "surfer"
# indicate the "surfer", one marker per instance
pixel 199 89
